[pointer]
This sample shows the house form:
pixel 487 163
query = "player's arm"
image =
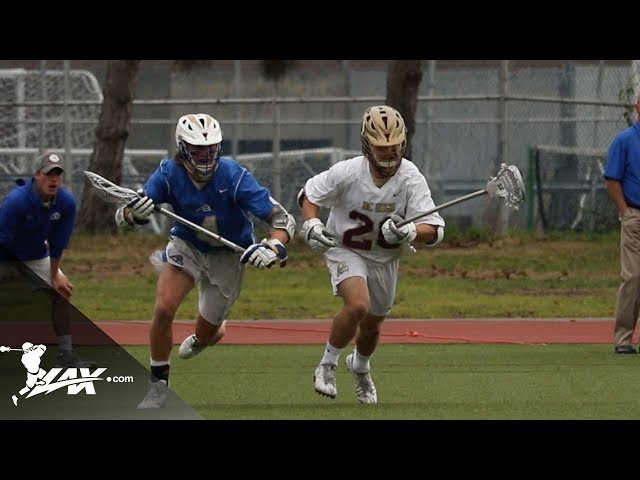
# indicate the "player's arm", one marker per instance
pixel 136 212
pixel 283 224
pixel 272 250
pixel 58 241
pixel 59 280
pixel 429 234
pixel 313 230
pixel 139 210
pixel 429 231
pixel 614 189
pixel 9 214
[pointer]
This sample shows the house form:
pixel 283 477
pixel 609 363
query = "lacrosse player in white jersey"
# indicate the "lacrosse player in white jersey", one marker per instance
pixel 362 245
pixel 218 194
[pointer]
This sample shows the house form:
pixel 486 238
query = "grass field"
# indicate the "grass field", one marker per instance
pixel 414 382
pixel 517 276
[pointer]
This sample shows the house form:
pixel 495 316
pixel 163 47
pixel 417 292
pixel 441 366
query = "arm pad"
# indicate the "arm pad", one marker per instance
pixel 281 219
pixel 439 236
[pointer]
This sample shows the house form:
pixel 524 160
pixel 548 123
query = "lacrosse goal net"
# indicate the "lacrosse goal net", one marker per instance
pixel 567 190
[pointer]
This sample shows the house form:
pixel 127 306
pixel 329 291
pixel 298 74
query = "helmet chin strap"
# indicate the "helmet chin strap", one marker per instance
pixel 377 171
pixel 379 179
pixel 198 176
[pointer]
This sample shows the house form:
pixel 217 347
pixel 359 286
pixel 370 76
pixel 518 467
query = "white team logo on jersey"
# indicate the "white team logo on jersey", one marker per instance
pixel 40 381
pixel 204 208
pixel 55 216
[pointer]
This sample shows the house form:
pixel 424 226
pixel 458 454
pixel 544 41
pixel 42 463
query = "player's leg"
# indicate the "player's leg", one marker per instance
pixel 174 284
pixel 218 291
pixel 348 277
pixel 382 286
pixel 176 279
pixel 627 306
pixel 61 315
pixel 211 323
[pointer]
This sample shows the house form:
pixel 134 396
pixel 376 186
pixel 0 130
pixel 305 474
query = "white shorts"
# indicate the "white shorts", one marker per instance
pixel 217 275
pixel 381 278
pixel 42 268
pixel 36 273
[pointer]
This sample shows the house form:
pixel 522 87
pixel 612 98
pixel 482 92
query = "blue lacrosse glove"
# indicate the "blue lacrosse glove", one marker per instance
pixel 265 254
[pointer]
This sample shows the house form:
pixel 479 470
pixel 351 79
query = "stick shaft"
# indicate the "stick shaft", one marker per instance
pixel 97 181
pixel 184 221
pixel 443 206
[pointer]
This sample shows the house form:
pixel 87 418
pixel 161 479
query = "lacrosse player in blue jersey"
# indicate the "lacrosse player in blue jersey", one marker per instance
pixel 36 222
pixel 218 194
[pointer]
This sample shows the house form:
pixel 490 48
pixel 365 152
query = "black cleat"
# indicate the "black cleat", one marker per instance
pixel 625 350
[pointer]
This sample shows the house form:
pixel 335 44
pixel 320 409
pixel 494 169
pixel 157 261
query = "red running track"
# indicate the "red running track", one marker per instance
pixel 508 331
pixel 516 331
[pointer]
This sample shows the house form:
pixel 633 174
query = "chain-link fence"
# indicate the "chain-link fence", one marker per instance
pixel 471 116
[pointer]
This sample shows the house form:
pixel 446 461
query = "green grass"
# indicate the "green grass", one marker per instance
pixel 414 382
pixel 516 276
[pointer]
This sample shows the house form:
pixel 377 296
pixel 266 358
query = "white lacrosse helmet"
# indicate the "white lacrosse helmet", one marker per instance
pixel 383 126
pixel 26 346
pixel 193 132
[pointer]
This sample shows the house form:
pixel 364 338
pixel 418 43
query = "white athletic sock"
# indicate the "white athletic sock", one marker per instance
pixel 64 343
pixel 360 362
pixel 158 363
pixel 331 355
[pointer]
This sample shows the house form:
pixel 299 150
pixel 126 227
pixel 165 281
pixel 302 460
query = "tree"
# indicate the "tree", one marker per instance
pixel 95 214
pixel 403 84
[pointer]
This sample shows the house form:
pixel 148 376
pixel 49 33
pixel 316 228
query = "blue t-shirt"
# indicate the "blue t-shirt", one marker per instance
pixel 27 226
pixel 221 206
pixel 623 163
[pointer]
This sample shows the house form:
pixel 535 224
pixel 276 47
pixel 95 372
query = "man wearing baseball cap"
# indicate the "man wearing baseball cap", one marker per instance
pixel 37 219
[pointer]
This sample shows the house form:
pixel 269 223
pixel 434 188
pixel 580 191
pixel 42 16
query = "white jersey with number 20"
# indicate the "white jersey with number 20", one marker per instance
pixel 359 207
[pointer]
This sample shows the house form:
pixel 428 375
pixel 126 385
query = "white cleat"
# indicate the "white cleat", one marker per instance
pixel 156 396
pixel 190 347
pixel 365 389
pixel 324 380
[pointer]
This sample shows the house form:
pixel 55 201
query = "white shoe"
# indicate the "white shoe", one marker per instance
pixel 324 380
pixel 190 347
pixel 365 389
pixel 15 400
pixel 156 396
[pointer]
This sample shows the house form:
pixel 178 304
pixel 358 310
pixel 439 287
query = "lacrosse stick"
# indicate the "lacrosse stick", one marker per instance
pixel 7 349
pixel 112 193
pixel 507 184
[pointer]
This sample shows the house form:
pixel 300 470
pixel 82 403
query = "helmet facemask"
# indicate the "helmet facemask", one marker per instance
pixel 384 139
pixel 199 142
pixel 200 161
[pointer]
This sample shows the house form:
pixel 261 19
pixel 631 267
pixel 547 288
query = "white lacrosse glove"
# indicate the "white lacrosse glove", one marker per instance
pixel 265 254
pixel 140 210
pixel 313 233
pixel 394 235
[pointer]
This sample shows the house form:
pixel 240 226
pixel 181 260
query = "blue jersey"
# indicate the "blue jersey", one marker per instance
pixel 221 206
pixel 623 163
pixel 31 231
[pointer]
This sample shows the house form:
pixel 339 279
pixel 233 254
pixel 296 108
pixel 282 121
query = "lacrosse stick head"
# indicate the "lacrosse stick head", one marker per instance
pixel 508 184
pixel 109 191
